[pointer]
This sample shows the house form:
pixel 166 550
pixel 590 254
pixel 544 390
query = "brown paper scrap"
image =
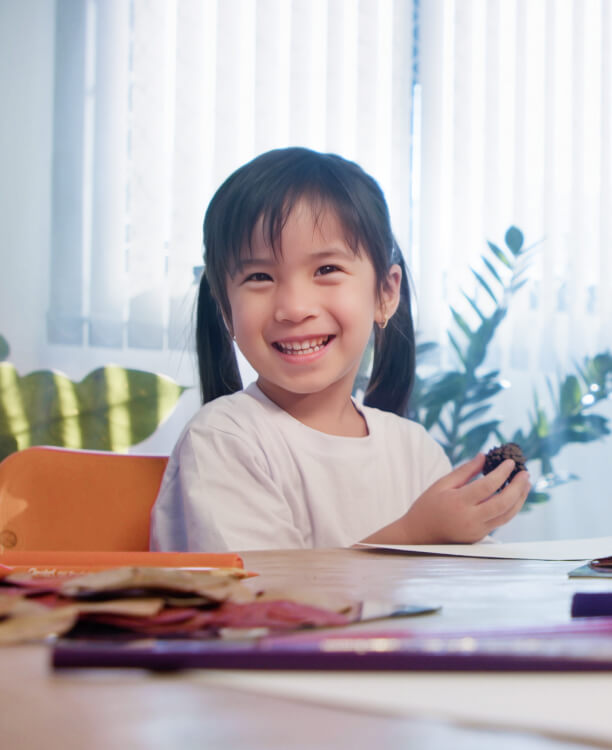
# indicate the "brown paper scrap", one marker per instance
pixel 14 604
pixel 214 585
pixel 126 607
pixel 37 626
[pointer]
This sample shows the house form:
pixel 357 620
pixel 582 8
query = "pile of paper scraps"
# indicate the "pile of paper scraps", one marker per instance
pixel 156 602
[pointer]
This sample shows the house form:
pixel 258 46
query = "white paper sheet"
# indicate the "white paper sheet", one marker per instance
pixel 562 549
pixel 569 706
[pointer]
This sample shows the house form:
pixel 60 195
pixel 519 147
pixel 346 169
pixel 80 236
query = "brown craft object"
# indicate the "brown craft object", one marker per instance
pixel 499 454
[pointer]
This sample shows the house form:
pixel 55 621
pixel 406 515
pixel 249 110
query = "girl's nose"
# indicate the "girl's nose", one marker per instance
pixel 294 303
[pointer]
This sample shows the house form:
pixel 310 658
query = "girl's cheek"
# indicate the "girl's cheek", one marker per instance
pixel 247 313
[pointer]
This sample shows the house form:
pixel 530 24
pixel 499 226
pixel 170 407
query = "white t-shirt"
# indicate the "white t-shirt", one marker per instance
pixel 246 475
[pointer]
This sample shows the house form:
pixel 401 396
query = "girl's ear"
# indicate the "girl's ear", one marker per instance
pixel 389 296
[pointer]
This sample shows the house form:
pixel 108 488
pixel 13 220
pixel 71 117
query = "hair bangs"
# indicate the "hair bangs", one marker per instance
pixel 276 207
pixel 260 196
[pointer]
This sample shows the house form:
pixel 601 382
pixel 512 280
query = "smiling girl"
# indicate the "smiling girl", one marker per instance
pixel 300 267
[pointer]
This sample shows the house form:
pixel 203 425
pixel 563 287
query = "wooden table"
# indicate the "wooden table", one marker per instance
pixel 97 708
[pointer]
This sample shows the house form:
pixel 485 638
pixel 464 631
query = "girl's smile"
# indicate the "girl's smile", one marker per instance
pixel 302 312
pixel 298 349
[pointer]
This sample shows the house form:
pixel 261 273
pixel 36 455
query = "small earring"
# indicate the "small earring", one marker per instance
pixel 383 325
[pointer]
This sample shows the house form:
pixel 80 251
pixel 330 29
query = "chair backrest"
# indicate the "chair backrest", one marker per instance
pixel 60 499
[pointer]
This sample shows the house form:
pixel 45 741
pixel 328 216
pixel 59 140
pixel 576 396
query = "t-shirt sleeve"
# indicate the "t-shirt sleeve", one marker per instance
pixel 438 463
pixel 428 459
pixel 219 496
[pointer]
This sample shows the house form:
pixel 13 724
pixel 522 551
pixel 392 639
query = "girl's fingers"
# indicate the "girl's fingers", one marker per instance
pixel 495 523
pixel 501 508
pixel 489 484
pixel 462 474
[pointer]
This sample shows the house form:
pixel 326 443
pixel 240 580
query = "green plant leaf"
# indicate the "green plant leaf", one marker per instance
pixel 8 445
pixel 514 240
pixel 111 409
pixel 553 397
pixel 5 349
pixel 482 392
pixel 425 347
pixel 490 377
pixel 583 372
pixel 479 343
pixel 533 498
pixel 541 424
pixel 499 254
pixel 477 351
pixel 585 428
pixel 518 281
pixel 446 433
pixel 475 413
pixel 515 287
pixel 492 270
pixel 432 416
pixel 474 439
pixel 460 321
pixel 603 362
pixel 600 371
pixel 474 306
pixel 484 285
pixel 456 347
pixel 448 387
pixel 570 396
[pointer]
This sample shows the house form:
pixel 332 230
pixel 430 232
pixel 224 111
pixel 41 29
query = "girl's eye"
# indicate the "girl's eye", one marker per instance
pixel 258 276
pixel 324 270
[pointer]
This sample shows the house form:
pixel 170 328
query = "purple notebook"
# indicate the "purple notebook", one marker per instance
pixel 572 647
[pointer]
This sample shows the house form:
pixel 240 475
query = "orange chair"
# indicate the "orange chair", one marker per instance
pixel 60 499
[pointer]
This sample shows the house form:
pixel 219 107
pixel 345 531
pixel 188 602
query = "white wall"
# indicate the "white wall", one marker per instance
pixel 26 93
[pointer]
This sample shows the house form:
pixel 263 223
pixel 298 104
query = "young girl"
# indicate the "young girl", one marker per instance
pixel 300 266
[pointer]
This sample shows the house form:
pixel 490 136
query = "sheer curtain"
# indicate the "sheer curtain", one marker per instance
pixel 157 101
pixel 513 101
pixel 516 129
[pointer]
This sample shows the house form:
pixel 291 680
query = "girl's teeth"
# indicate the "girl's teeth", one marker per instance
pixel 303 347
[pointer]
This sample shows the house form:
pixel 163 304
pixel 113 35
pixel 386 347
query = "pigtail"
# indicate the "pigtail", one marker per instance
pixel 217 364
pixel 393 370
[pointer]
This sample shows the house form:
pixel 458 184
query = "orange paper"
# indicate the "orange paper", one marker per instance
pixel 62 563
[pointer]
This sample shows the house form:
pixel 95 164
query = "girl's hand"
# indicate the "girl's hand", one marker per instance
pixel 455 509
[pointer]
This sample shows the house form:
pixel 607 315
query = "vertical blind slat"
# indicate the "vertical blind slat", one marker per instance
pixel 605 198
pixel 65 319
pixel 109 176
pixel 515 126
pixel 151 137
pixel 400 138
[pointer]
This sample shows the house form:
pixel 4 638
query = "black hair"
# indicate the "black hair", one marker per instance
pixel 266 189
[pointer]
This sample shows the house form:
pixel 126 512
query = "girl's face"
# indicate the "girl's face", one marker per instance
pixel 303 319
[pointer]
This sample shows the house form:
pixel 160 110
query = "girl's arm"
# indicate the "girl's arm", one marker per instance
pixel 457 510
